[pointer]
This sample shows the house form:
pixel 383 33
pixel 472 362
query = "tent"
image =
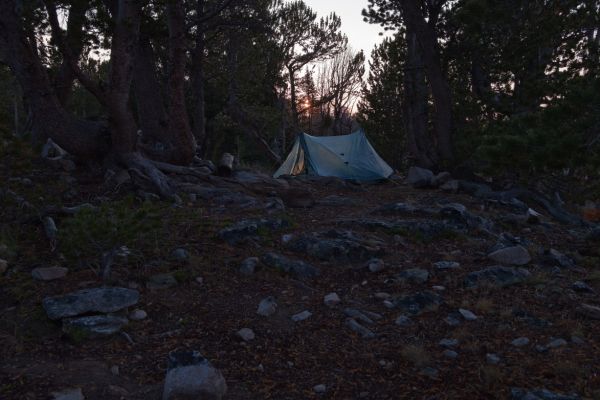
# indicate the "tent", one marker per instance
pixel 347 157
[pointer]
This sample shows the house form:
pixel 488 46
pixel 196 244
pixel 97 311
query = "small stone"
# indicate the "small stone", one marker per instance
pixel 403 321
pixel 138 315
pixel 441 179
pixel 583 287
pixel 267 307
pixel 69 394
pixel 556 343
pixel 492 359
pixel 49 273
pixel 246 334
pixel 430 372
pixel 514 255
pixel 382 296
pixel 320 389
pixel 260 368
pixel 450 354
pixel 161 281
pixel 3 266
pixel 199 280
pixel 389 304
pixel 358 328
pixel 468 315
pixel 331 299
pixel 451 186
pixel 438 288
pixel 520 342
pixel 414 275
pixel 375 265
pixel 180 255
pixel 248 266
pixel 445 265
pixel 589 311
pixel 452 320
pixel 448 342
pixel 114 370
pixel 301 316
pixel 286 238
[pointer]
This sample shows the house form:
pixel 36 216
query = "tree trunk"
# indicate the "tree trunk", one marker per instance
pixel 415 106
pixel 199 109
pixel 293 100
pixel 440 89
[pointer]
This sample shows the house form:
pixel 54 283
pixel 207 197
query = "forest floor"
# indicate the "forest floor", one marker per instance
pixel 339 231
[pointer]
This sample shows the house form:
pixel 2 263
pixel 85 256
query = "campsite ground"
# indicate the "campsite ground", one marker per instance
pixel 209 300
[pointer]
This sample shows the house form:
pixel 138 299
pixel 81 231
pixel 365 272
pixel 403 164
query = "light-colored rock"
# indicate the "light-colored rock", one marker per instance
pixel 267 307
pixel 248 266
pixel 180 255
pixel 358 328
pixel 451 186
pixel 441 179
pixel 468 315
pixel 589 311
pixel 520 342
pixel 382 295
pixel 403 321
pixel 375 265
pixel 513 255
pixel 557 343
pixel 320 389
pixel 448 342
pixel 191 376
pixel 492 359
pixel 138 315
pixel 301 316
pixel 94 326
pixel 444 265
pixel 331 299
pixel 413 275
pixel 68 394
pixel 49 273
pixel 246 334
pixel 419 177
pixel 450 354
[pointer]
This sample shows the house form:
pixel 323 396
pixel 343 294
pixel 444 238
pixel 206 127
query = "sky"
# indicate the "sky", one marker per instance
pixel 361 35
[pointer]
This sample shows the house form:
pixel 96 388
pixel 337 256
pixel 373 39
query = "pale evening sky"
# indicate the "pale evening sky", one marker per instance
pixel 361 35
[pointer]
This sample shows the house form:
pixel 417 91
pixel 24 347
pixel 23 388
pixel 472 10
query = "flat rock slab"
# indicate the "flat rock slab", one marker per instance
pixel 514 255
pixel 250 229
pixel 49 273
pixel 290 266
pixel 91 327
pixel 497 276
pixel 419 303
pixel 337 245
pixel 539 394
pixel 68 394
pixel 101 300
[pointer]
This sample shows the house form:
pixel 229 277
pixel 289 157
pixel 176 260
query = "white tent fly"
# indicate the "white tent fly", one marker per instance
pixel 347 157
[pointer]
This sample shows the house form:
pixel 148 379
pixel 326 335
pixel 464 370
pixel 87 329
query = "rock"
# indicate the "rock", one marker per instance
pixel 448 342
pixel 92 327
pixel 297 268
pixel 267 307
pixel 249 265
pixel 539 394
pixel 331 300
pixel 138 315
pixel 438 288
pixel 161 281
pixel 492 359
pixel 337 245
pixel 358 328
pixel 556 258
pixel 3 266
pixel 50 228
pixel 589 311
pixel 468 315
pixel 320 389
pixel 497 276
pixel 68 394
pixel 301 316
pixel 520 342
pixel 430 372
pixel 413 275
pixel 452 319
pixel 363 316
pixel 577 340
pixel 49 273
pixel 375 265
pixel 403 321
pixel 514 255
pixel 250 229
pixel 445 265
pixel 557 343
pixel 274 205
pixel 582 287
pixel 450 354
pixel 246 334
pixel 102 300
pixel 180 255
pixel 419 303
pixel 191 376
pixel 419 177
pixel 440 179
pixel 382 295
pixel 451 186
pixel 532 216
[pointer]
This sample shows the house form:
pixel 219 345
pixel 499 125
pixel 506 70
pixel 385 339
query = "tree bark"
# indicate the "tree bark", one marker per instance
pixel 440 88
pixel 293 100
pixel 199 109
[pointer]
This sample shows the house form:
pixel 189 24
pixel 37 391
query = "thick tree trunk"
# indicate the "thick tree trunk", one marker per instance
pixel 293 100
pixel 81 138
pixel 415 106
pixel 440 89
pixel 199 109
pixel 180 133
pixel 148 94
